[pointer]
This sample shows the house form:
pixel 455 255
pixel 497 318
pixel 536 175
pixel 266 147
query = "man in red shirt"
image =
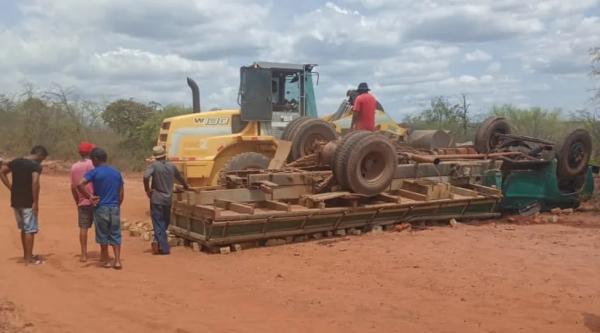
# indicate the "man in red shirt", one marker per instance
pixel 364 109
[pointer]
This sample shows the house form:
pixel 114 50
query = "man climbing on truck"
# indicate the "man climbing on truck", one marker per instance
pixel 363 117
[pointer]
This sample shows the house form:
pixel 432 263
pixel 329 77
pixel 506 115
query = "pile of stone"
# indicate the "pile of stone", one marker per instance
pixel 144 230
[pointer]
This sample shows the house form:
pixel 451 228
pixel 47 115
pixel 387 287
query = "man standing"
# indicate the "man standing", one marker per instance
pixel 85 208
pixel 160 194
pixel 24 196
pixel 364 109
pixel 108 186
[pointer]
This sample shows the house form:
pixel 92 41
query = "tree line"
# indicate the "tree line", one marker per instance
pixel 128 129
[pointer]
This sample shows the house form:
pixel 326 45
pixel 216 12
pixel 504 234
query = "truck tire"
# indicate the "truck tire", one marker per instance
pixel 291 126
pixel 370 165
pixel 574 154
pixel 485 138
pixel 341 153
pixel 245 161
pixel 307 133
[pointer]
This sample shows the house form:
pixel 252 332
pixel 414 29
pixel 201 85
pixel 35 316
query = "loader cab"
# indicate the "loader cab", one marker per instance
pixel 274 94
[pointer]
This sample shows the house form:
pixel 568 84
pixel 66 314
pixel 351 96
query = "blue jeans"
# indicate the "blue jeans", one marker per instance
pixel 108 225
pixel 161 217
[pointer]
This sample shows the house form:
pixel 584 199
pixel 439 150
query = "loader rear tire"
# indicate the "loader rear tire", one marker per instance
pixel 291 127
pixel 344 148
pixel 574 154
pixel 247 161
pixel 486 137
pixel 307 134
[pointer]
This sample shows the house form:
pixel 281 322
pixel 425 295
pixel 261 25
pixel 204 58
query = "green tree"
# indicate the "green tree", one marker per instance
pixel 535 121
pixel 126 116
pixel 148 131
pixel 442 114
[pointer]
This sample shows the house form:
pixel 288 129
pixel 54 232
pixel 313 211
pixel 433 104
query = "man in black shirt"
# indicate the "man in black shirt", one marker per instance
pixel 24 195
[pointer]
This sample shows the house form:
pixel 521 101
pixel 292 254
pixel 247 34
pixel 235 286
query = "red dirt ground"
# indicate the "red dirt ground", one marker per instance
pixel 486 278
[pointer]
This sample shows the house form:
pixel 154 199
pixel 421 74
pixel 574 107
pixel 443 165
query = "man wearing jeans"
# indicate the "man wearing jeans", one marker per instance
pixel 109 194
pixel 24 196
pixel 160 194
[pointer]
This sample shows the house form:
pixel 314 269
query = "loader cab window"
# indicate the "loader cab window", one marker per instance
pixel 286 91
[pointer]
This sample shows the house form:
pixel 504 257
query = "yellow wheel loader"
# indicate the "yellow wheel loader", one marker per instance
pixel 277 104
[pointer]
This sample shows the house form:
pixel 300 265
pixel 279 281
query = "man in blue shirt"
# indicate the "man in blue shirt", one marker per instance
pixel 109 193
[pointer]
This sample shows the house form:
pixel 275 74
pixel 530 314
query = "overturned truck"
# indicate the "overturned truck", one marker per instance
pixel 362 180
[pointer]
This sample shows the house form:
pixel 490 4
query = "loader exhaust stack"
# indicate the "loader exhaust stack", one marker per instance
pixel 195 95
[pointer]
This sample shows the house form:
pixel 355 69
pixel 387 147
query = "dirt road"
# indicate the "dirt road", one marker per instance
pixel 488 278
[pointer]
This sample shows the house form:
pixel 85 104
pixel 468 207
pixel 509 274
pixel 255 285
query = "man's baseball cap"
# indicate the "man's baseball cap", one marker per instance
pixel 86 148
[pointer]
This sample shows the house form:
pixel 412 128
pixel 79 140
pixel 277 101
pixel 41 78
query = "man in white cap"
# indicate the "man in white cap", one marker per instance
pixel 162 174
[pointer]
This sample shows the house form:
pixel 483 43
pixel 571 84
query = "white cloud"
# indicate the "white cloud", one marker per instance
pixel 408 51
pixel 478 55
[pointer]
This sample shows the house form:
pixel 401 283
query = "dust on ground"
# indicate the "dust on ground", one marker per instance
pixel 489 277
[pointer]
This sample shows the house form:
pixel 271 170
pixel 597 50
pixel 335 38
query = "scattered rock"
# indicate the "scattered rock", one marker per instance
pixel 275 242
pixel 135 232
pixel 568 211
pixel 402 227
pixel 377 229
pixel 125 225
pixel 553 219
pixel 236 247
pixel 340 232
pixel 318 235
pixel 147 235
pixel 174 241
pixel 355 232
pixel 225 250
pixel 196 246
pixel 555 211
pixel 453 223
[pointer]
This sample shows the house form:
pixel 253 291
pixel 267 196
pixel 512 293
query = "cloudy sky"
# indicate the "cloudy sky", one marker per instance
pixel 524 52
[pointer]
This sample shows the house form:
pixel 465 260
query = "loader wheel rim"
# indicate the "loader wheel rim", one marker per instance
pixel 372 166
pixel 308 146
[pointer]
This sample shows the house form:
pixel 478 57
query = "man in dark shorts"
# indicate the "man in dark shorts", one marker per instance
pixel 24 196
pixel 109 194
pixel 85 208
pixel 160 194
pixel 364 109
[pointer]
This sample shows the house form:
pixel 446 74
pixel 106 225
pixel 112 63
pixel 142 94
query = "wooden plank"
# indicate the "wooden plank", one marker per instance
pixel 463 191
pixel 412 195
pixel 241 208
pixel 290 192
pixel 281 154
pixel 388 197
pixel 206 211
pixel 277 205
pixel 238 195
pixel 234 179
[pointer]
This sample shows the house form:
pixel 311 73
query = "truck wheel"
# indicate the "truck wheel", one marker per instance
pixel 291 126
pixel 246 161
pixel 341 155
pixel 486 137
pixel 574 154
pixel 370 164
pixel 307 134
